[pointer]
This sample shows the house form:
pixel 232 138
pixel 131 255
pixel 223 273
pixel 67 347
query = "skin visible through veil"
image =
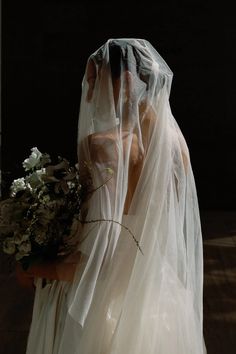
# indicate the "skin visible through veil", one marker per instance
pixel 120 300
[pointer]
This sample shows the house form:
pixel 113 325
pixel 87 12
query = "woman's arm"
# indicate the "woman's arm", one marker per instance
pixel 53 270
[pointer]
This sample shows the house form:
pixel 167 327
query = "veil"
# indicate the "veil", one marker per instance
pixel 128 296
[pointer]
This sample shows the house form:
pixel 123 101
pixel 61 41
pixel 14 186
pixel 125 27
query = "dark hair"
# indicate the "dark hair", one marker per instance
pixel 124 56
pixel 116 60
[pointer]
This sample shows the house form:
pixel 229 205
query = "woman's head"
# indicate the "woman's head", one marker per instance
pixel 118 59
pixel 122 76
pixel 124 72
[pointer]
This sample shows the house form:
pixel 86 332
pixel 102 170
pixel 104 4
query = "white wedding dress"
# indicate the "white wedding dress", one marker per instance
pixel 126 299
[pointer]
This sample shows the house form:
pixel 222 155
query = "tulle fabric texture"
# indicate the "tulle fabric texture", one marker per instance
pixel 123 300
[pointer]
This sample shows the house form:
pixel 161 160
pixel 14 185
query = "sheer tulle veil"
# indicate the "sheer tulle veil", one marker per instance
pixel 126 299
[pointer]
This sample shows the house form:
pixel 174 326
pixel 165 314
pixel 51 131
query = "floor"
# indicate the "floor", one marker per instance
pixel 219 234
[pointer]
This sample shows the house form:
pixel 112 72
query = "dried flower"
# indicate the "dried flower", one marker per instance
pixel 9 246
pixel 25 247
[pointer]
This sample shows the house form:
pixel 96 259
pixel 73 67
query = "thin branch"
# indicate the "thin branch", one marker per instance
pixel 101 185
pixel 116 222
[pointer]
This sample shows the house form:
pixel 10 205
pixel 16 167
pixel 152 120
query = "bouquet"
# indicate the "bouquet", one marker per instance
pixel 40 218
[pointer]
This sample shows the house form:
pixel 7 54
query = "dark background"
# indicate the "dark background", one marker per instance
pixel 46 44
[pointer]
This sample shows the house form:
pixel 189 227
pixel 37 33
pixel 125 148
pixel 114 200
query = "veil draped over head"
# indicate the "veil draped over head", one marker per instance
pixel 125 299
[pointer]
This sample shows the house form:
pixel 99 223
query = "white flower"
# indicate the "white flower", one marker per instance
pixel 17 185
pixel 71 185
pixel 33 160
pixel 9 246
pixel 41 173
pixel 35 178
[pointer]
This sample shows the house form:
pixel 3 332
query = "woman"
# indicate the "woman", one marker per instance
pixel 137 287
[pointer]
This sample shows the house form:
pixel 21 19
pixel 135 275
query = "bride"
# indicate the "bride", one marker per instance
pixel 136 283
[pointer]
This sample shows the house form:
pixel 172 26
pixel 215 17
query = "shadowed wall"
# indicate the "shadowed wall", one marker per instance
pixel 46 45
